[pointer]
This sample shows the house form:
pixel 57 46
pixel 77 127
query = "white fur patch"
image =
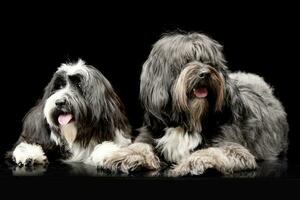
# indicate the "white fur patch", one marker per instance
pixel 74 68
pixel 26 151
pixel 94 153
pixel 50 103
pixel 176 144
pixel 80 154
pixel 54 138
pixel 120 139
pixel 101 152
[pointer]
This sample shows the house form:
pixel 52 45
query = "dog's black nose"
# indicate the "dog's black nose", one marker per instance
pixel 203 75
pixel 60 102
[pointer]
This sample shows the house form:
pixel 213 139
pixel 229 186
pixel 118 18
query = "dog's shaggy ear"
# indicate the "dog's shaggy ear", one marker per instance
pixel 107 106
pixel 35 128
pixel 154 88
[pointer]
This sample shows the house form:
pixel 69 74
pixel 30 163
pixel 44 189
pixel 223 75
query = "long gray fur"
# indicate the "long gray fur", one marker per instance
pixel 250 125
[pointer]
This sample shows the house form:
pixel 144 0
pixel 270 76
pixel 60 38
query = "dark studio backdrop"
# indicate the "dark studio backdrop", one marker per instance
pixel 34 44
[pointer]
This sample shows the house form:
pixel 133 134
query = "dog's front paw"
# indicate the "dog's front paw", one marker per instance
pixel 101 153
pixel 135 156
pixel 29 154
pixel 194 165
pixel 185 169
pixel 181 169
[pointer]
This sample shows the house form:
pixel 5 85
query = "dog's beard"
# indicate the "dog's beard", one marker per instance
pixel 194 94
pixel 74 108
pixel 197 110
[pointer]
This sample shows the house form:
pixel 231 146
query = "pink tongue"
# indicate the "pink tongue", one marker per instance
pixel 200 92
pixel 64 119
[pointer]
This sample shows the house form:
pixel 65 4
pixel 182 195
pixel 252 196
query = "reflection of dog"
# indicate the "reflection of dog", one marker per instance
pixel 200 116
pixel 80 118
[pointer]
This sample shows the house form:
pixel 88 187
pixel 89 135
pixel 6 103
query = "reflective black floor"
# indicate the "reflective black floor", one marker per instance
pixel 76 179
pixel 280 169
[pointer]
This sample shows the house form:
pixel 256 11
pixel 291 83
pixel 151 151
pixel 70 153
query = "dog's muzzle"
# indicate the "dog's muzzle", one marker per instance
pixel 200 90
pixel 62 114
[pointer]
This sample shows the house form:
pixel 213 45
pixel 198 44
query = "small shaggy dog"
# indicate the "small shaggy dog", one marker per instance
pixel 80 118
pixel 198 115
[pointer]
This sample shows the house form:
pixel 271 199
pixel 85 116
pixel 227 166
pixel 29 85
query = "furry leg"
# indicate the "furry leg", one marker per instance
pixel 136 155
pixel 226 157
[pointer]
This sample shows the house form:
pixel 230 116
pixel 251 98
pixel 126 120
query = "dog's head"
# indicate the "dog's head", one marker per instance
pixel 184 74
pixel 199 87
pixel 74 94
pixel 80 94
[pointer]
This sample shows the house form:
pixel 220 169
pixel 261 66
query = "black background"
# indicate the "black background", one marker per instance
pixel 117 40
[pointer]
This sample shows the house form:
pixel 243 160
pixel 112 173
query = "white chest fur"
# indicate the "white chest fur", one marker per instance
pixel 79 154
pixel 94 153
pixel 177 144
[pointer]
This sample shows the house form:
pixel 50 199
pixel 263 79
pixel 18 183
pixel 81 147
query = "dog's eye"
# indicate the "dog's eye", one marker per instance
pixel 75 80
pixel 59 84
pixel 78 85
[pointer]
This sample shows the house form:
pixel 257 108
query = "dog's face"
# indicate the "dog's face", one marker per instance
pixel 67 95
pixel 75 94
pixel 182 79
pixel 198 82
pixel 199 87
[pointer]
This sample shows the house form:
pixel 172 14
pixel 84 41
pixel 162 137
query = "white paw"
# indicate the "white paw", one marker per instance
pixel 101 152
pixel 29 154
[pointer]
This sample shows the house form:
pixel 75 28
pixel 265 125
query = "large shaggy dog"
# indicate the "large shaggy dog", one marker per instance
pixel 198 115
pixel 80 118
